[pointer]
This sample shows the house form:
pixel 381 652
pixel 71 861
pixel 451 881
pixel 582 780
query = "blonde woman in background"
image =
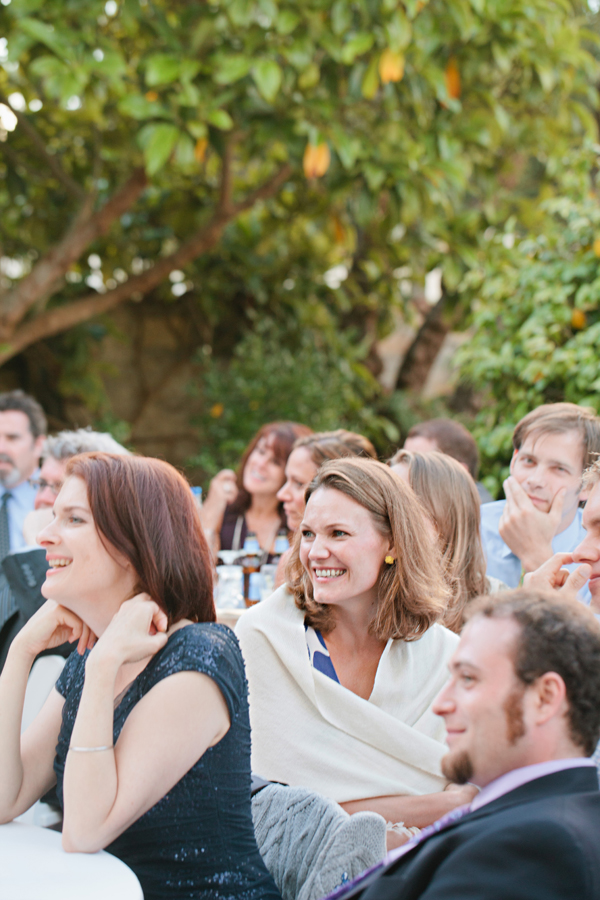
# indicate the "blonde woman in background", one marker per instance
pixel 450 499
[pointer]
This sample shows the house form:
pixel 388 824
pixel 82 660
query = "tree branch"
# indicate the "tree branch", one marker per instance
pixel 64 317
pixel 226 191
pixel 51 161
pixel 49 272
pixel 265 191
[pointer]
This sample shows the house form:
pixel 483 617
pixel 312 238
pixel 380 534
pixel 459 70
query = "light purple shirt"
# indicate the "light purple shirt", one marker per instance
pixel 518 777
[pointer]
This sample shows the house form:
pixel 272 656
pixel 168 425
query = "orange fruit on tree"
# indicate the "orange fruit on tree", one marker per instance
pixel 391 66
pixel 578 319
pixel 452 76
pixel 200 149
pixel 316 160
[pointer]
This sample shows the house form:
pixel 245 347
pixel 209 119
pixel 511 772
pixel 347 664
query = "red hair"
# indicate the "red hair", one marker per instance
pixel 145 509
pixel 281 437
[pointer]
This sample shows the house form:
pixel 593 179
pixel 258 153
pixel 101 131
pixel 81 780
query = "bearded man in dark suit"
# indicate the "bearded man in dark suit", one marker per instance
pixel 522 712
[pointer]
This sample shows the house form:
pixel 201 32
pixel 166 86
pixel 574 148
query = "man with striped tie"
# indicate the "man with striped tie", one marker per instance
pixel 522 716
pixel 22 434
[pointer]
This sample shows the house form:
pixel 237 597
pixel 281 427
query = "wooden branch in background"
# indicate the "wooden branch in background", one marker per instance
pixel 61 318
pixel 49 272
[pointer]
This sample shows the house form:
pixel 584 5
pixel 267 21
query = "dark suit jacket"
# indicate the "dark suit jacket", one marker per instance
pixel 538 842
pixel 25 573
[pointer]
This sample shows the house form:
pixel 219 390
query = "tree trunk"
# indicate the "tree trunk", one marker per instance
pixel 424 349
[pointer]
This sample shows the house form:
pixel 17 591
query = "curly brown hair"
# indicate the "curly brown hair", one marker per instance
pixel 412 593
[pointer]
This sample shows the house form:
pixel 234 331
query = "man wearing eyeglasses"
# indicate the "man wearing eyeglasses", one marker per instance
pixel 58 449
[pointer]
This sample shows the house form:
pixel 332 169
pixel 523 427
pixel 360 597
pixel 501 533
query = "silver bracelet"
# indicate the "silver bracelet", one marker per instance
pixel 91 749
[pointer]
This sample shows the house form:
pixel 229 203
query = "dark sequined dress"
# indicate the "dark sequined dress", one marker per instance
pixel 198 841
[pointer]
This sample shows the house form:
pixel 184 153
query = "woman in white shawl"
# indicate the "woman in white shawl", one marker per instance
pixel 344 661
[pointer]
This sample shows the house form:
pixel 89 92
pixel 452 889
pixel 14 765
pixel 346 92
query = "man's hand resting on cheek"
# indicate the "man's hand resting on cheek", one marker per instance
pixel 527 530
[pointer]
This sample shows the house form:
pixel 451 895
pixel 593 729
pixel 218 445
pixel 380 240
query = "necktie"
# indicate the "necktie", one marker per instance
pixel 365 878
pixel 7 603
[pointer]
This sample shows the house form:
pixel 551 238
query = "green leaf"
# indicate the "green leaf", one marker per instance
pixel 184 152
pixel 48 35
pixel 139 108
pixel 347 148
pixel 398 31
pixel 162 69
pixel 157 142
pixel 310 77
pixel 287 21
pixel 197 129
pixel 267 76
pixel 231 68
pixel 220 119
pixel 370 83
pixel 356 46
pixel 341 16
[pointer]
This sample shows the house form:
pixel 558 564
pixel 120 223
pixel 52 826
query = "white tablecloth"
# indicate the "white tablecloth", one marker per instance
pixel 33 866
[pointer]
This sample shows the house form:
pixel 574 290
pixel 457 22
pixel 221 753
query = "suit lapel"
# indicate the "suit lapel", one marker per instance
pixel 568 781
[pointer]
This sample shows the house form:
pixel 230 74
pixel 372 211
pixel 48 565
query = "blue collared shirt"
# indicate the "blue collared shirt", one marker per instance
pixel 21 503
pixel 502 562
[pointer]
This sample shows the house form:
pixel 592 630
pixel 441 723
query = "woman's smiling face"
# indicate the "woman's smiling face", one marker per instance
pixel 341 549
pixel 263 473
pixel 84 575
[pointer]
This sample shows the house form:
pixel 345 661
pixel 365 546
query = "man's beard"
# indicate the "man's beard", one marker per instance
pixel 458 767
pixel 9 477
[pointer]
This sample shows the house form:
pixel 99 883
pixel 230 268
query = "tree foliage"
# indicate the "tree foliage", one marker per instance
pixel 536 318
pixel 146 128
pixel 284 374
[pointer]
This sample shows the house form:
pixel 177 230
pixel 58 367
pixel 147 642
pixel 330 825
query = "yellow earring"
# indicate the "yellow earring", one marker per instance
pixel 389 560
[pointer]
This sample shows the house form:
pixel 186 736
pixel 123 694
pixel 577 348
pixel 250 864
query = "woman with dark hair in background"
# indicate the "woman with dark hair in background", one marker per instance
pixel 147 734
pixel 237 504
pixel 449 496
pixel 307 456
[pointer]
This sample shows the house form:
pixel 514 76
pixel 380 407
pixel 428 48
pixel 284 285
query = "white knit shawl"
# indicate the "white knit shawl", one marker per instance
pixel 308 730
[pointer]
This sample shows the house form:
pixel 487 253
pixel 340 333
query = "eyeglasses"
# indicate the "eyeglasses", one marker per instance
pixel 40 484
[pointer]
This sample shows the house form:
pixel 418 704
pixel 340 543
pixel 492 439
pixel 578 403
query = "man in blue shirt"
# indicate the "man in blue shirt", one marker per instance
pixel 553 445
pixel 22 435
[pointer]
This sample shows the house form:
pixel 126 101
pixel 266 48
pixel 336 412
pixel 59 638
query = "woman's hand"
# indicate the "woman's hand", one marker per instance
pixel 222 490
pixel 51 626
pixel 137 631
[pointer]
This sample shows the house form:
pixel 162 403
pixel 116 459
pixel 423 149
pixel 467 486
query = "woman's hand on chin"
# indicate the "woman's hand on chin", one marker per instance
pixel 136 632
pixel 51 626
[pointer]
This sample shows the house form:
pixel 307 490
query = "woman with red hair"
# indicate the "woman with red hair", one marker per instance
pixel 146 735
pixel 247 501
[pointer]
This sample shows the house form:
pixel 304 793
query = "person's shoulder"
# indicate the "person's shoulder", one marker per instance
pixel 439 637
pixel 531 850
pixel 266 614
pixel 491 512
pixel 209 649
pixel 202 640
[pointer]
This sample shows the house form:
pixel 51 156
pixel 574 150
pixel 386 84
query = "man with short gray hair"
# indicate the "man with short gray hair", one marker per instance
pixel 58 450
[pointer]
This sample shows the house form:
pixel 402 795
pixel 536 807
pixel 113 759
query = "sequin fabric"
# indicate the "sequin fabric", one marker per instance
pixel 198 841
